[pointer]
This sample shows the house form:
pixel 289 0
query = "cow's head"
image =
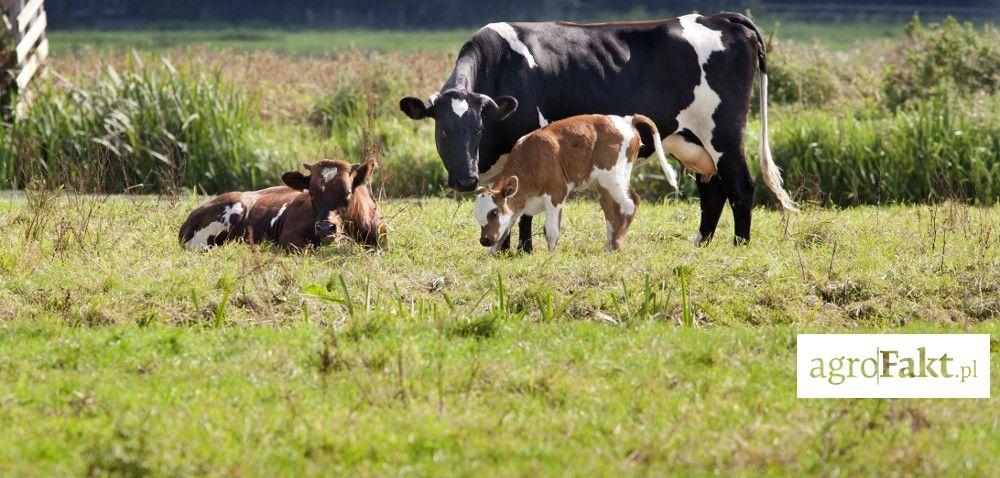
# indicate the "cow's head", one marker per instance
pixel 460 117
pixel 340 198
pixel 494 214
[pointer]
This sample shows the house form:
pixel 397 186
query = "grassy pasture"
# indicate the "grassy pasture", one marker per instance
pixel 838 36
pixel 122 353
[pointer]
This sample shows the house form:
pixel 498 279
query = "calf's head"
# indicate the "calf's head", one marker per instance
pixel 493 212
pixel 341 200
pixel 460 118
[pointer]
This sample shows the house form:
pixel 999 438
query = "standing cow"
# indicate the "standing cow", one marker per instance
pixel 692 75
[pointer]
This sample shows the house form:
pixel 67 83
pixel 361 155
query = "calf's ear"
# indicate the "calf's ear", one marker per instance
pixel 415 108
pixel 509 187
pixel 361 173
pixel 295 180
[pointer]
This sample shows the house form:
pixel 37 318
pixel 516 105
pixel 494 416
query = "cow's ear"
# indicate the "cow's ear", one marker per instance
pixel 295 180
pixel 505 106
pixel 415 107
pixel 509 187
pixel 361 173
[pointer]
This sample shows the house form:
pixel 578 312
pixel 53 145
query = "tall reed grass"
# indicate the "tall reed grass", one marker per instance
pixel 149 128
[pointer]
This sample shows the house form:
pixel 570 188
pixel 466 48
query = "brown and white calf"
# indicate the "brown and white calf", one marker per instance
pixel 549 163
pixel 312 209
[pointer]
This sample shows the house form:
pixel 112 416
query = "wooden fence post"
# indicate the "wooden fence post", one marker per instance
pixel 28 21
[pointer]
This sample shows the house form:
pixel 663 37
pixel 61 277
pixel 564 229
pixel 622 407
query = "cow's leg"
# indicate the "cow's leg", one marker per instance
pixel 738 186
pixel 553 216
pixel 712 199
pixel 504 244
pixel 524 234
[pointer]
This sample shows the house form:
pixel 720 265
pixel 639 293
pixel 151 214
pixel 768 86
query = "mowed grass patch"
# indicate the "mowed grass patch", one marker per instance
pixel 308 399
pixel 122 353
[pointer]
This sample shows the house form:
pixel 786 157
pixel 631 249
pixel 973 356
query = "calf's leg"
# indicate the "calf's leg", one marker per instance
pixel 553 219
pixel 616 220
pixel 524 234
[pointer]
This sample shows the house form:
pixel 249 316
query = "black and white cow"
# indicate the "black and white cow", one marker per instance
pixel 692 75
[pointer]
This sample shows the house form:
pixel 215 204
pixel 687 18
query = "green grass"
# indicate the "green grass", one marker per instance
pixel 120 352
pixel 839 36
pixel 304 41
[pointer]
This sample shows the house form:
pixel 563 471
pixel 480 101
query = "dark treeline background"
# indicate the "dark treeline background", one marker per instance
pixel 468 13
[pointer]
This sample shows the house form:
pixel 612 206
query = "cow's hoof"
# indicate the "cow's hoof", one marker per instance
pixel 525 247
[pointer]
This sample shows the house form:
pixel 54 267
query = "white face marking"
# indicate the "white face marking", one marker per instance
pixel 278 216
pixel 199 242
pixel 328 174
pixel 510 36
pixel 459 106
pixel 484 204
pixel 542 122
pixel 617 179
pixel 698 116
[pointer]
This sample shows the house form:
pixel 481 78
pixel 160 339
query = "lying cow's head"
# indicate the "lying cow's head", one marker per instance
pixel 341 200
pixel 493 213
pixel 459 120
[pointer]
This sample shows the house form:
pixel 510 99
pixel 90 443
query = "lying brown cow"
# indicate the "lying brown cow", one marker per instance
pixel 309 210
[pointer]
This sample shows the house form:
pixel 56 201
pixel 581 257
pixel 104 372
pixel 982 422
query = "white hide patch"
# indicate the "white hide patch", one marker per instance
pixel 552 224
pixel 617 179
pixel 698 116
pixel 328 174
pixel 199 241
pixel 510 36
pixel 491 174
pixel 280 212
pixel 234 208
pixel 542 122
pixel 459 106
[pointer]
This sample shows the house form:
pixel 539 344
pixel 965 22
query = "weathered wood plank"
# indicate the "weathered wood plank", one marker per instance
pixel 30 67
pixel 31 38
pixel 27 13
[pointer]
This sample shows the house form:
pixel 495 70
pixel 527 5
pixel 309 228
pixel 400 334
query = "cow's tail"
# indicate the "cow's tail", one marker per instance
pixel 668 170
pixel 770 171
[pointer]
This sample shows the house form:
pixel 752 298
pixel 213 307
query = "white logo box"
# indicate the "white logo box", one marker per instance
pixel 893 365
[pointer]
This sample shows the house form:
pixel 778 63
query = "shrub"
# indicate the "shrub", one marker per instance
pixel 942 58
pixel 151 129
pixel 935 150
pixel 410 164
pixel 807 75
